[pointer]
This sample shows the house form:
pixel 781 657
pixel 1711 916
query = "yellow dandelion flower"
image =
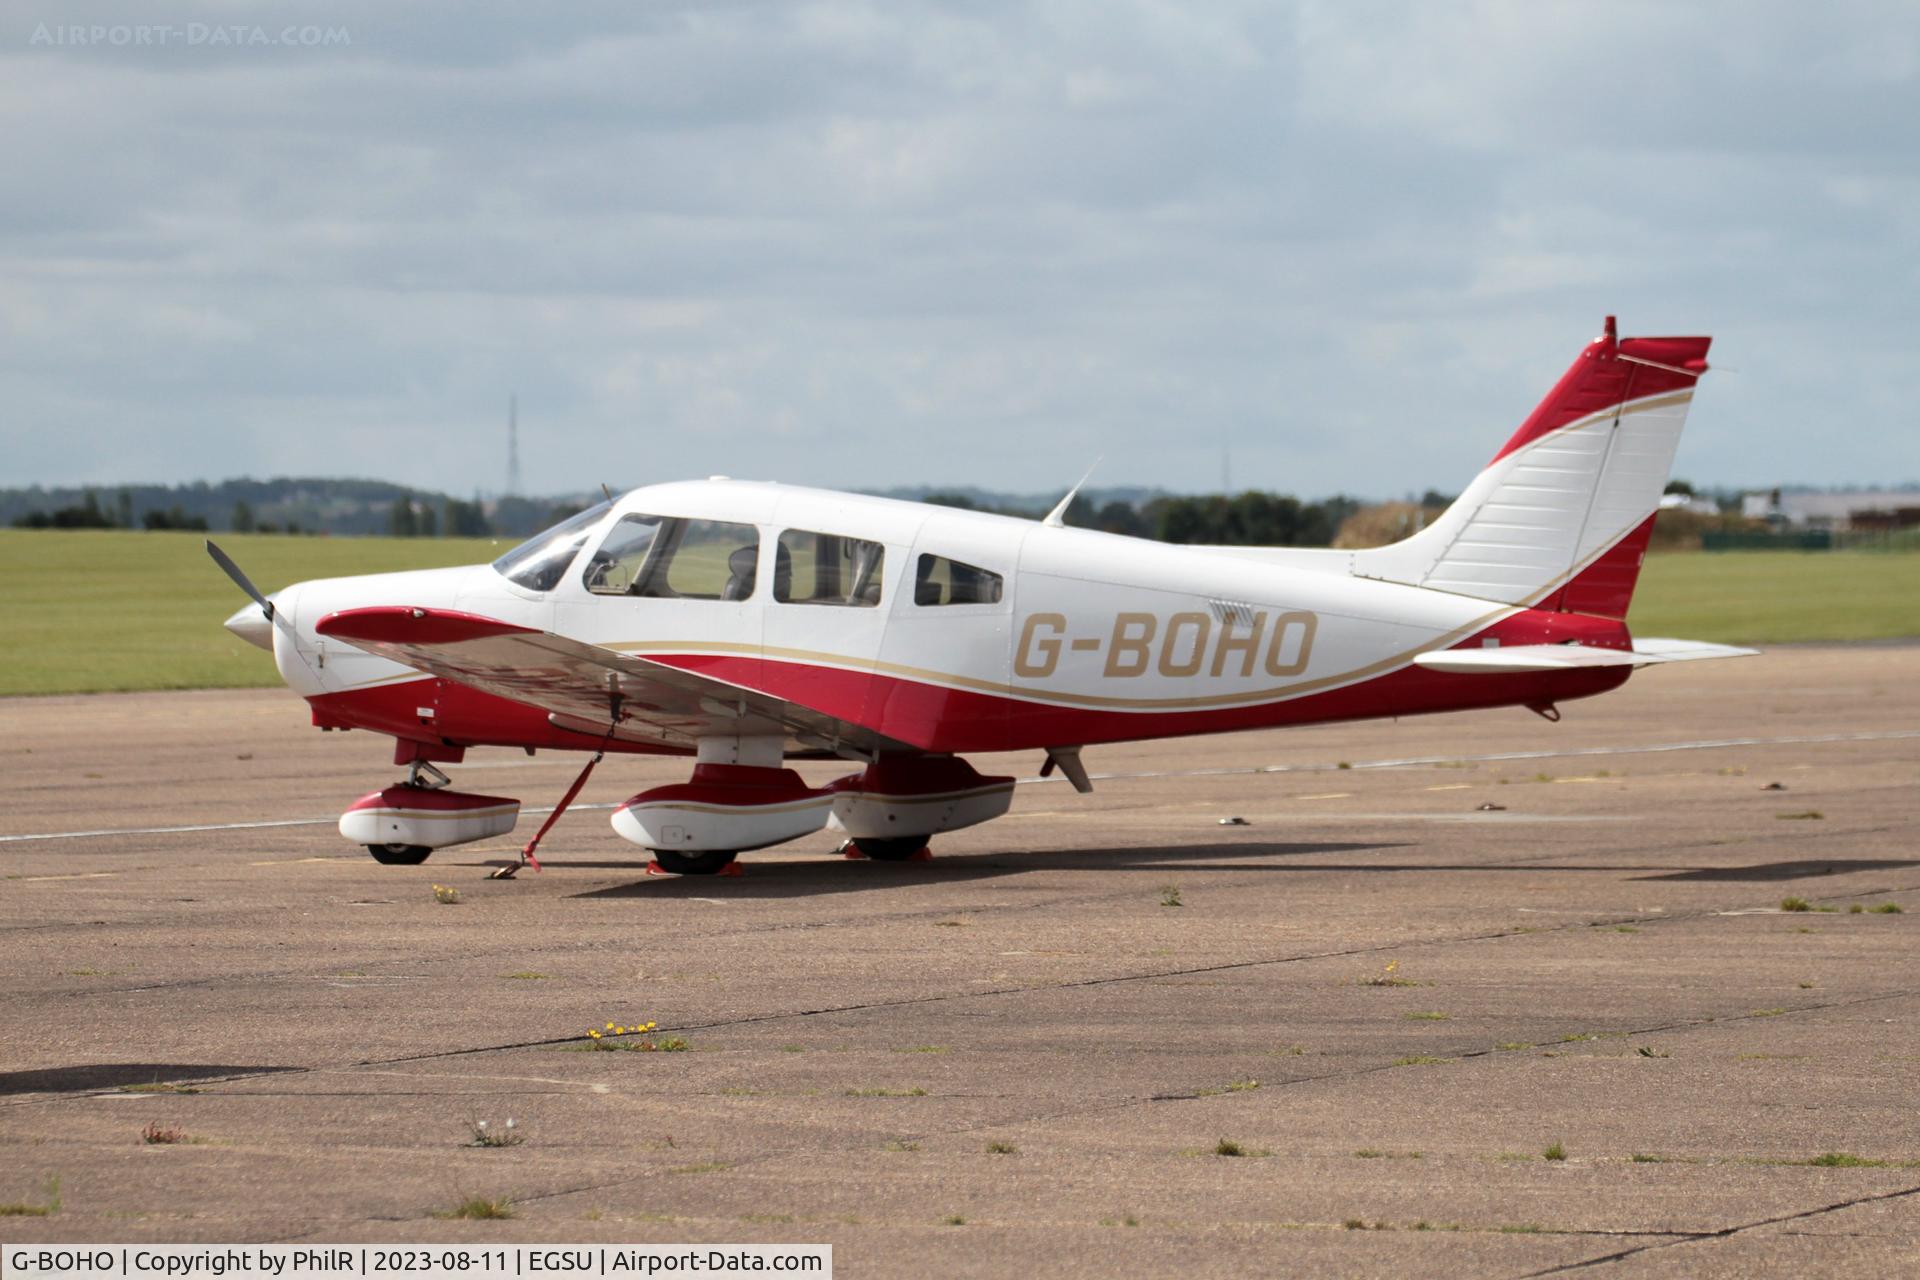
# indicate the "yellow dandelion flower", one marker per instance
pixel 594 1034
pixel 619 1031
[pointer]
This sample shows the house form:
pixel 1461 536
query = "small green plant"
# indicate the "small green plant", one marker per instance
pixel 1128 1220
pixel 1387 977
pixel 1373 1153
pixel 1419 1060
pixel 901 1144
pixel 47 1210
pixel 1243 1086
pixel 955 1220
pixel 1642 1157
pixel 926 1048
pixel 1856 910
pixel 1843 1160
pixel 1554 1152
pixel 1648 1051
pixel 1624 928
pixel 1805 815
pixel 1765 1013
pixel 1002 1149
pixel 634 1039
pixel 158 1135
pixel 1170 896
pixel 477 1207
pixel 1885 909
pixel 1795 904
pixel 1228 1147
pixel 528 975
pixel 446 894
pixel 1428 1015
pixel 1344 764
pixel 157 1087
pixel 484 1135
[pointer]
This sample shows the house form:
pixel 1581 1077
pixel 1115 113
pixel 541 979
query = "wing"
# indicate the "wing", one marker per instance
pixel 583 687
pixel 1572 657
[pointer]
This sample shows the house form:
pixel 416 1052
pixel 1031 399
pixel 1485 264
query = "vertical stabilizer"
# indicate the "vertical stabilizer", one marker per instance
pixel 1561 517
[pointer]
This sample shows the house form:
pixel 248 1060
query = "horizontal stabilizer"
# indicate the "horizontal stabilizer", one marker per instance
pixel 1572 657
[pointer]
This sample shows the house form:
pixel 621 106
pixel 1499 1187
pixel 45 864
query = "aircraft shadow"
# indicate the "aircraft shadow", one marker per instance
pixel 843 875
pixel 838 875
pixel 1790 870
pixel 85 1077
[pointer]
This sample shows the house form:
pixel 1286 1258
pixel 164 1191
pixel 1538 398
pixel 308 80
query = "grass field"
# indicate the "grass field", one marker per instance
pixel 93 611
pixel 88 611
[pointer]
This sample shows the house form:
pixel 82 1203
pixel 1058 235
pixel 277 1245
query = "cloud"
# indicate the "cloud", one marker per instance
pixel 864 244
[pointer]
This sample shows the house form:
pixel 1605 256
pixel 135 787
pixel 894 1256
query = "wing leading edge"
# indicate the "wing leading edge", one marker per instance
pixel 587 689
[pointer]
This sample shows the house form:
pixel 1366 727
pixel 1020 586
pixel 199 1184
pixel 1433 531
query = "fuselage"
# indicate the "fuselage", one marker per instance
pixel 944 629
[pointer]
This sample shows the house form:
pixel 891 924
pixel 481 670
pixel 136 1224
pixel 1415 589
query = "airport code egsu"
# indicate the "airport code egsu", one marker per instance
pixel 1138 643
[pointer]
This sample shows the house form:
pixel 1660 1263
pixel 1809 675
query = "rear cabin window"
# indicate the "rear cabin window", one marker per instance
pixel 666 557
pixel 827 568
pixel 938 581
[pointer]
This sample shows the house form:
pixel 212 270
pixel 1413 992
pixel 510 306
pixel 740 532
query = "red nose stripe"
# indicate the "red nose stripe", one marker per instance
pixel 400 624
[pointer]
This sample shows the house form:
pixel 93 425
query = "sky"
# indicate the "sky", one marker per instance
pixel 874 244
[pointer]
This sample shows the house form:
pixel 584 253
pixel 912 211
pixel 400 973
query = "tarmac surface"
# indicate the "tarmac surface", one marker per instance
pixel 1026 1056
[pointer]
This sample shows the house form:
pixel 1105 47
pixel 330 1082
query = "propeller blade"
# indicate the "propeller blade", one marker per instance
pixel 240 579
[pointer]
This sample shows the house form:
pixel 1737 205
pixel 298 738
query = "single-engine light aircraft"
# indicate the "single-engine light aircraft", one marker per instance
pixel 743 624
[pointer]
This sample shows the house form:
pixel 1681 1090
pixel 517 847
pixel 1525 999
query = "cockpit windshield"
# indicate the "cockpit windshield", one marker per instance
pixel 538 563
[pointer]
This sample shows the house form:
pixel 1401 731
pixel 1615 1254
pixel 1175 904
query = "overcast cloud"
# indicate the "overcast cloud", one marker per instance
pixel 878 244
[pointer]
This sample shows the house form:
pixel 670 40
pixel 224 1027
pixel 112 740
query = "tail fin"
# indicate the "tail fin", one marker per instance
pixel 1560 518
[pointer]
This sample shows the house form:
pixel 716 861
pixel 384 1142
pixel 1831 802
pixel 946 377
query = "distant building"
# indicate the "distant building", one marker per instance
pixel 1698 504
pixel 1859 510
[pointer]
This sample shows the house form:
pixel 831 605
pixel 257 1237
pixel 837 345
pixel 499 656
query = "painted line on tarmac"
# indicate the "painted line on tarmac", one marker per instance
pixel 1407 762
pixel 224 826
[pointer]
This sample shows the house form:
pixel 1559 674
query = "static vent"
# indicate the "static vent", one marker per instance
pixel 1232 612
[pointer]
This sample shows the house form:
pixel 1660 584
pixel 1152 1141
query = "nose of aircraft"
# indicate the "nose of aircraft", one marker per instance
pixel 251 624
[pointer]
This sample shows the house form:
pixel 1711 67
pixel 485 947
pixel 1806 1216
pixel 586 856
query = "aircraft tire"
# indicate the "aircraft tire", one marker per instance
pixel 707 862
pixel 399 855
pixel 891 848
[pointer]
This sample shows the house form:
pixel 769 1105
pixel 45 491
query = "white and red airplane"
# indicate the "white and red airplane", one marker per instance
pixel 742 624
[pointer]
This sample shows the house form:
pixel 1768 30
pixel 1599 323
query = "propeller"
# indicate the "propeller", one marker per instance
pixel 240 579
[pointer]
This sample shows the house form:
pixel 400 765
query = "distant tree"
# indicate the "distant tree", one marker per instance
pixel 174 517
pixel 958 501
pixel 465 520
pixel 427 522
pixel 86 515
pixel 123 510
pixel 1434 498
pixel 1677 485
pixel 400 521
pixel 243 521
pixel 1120 517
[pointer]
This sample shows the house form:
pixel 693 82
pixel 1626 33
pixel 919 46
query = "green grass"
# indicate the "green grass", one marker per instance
pixel 97 610
pixel 1777 597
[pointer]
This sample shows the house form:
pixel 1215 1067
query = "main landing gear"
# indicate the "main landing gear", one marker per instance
pixel 403 824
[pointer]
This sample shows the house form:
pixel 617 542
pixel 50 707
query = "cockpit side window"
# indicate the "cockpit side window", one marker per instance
pixel 828 568
pixel 940 581
pixel 667 557
pixel 538 563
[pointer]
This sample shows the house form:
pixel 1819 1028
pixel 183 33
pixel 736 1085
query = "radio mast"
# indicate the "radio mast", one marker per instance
pixel 513 444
